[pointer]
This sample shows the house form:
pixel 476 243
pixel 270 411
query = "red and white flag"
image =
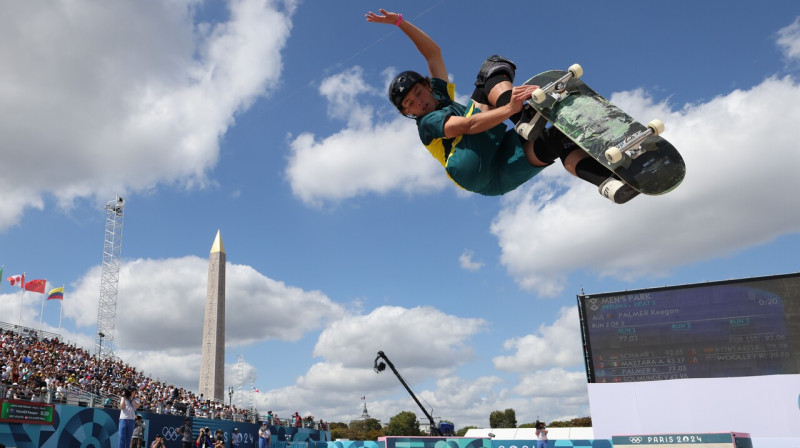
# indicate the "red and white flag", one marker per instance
pixel 17 280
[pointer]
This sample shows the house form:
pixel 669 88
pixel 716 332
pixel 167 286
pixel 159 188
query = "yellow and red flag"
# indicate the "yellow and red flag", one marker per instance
pixel 36 286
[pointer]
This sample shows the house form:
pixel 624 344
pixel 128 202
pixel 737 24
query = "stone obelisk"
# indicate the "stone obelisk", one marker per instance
pixel 212 366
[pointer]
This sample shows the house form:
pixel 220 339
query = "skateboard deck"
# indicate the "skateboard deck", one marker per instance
pixel 648 162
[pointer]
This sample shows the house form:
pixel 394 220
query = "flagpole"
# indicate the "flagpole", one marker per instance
pixel 41 314
pixel 60 312
pixel 19 321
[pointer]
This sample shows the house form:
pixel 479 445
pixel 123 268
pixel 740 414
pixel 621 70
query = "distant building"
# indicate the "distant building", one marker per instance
pixel 364 413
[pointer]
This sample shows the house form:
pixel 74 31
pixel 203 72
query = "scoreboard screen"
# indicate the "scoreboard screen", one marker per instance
pixel 736 328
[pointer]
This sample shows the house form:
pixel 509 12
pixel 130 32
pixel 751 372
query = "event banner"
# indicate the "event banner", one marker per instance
pixel 695 440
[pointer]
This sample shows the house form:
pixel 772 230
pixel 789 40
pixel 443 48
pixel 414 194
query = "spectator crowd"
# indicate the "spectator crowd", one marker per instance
pixel 49 371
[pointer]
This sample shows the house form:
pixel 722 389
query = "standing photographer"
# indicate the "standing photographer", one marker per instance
pixel 541 435
pixel 158 442
pixel 186 434
pixel 138 433
pixel 128 404
pixel 204 440
pixel 219 439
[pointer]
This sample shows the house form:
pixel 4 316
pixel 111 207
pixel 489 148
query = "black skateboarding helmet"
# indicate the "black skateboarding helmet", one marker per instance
pixel 401 85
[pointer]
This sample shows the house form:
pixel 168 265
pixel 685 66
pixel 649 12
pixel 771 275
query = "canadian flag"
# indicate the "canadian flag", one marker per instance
pixel 17 280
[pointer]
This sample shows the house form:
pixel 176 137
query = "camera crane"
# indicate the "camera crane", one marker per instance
pixel 381 366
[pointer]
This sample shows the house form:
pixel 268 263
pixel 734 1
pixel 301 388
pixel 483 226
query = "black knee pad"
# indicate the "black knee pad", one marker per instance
pixel 481 93
pixel 494 65
pixel 558 143
pixel 543 151
pixel 504 98
pixel 565 150
pixel 592 171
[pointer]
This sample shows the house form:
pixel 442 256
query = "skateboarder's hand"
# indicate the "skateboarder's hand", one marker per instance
pixel 519 94
pixel 384 17
pixel 523 92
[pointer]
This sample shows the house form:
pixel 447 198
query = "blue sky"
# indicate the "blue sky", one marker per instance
pixel 268 120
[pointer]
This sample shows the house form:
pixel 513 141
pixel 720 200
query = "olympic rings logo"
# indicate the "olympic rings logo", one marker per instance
pixel 170 433
pixel 635 439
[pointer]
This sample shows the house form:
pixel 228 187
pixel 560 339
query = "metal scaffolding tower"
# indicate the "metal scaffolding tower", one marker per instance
pixel 109 278
pixel 252 395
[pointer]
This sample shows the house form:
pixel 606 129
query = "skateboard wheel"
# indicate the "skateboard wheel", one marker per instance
pixel 538 96
pixel 613 154
pixel 656 126
pixel 576 70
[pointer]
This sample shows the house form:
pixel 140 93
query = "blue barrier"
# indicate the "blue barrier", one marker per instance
pixel 81 427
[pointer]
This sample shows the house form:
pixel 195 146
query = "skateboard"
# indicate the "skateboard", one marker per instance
pixel 634 152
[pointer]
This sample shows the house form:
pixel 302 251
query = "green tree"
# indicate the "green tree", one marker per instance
pixel 332 425
pixel 364 429
pixel 338 430
pixel 503 419
pixel 374 434
pixel 463 431
pixel 580 422
pixel 340 433
pixel 403 424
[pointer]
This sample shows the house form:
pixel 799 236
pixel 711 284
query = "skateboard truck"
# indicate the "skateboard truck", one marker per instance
pixel 558 86
pixel 631 147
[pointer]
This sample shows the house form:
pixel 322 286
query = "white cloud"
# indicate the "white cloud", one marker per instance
pixel 341 91
pixel 555 394
pixel 738 193
pixel 466 261
pixel 161 305
pixel 789 40
pixel 87 88
pixel 552 383
pixel 427 347
pixel 423 343
pixel 362 158
pixel 557 345
pixel 400 332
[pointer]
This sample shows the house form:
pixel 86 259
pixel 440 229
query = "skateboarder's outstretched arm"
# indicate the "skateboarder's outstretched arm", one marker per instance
pixel 425 45
pixel 454 126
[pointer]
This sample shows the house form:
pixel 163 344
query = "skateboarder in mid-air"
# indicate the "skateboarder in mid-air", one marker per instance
pixel 472 142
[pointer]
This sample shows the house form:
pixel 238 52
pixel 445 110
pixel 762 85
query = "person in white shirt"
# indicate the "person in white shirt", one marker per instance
pixel 128 404
pixel 541 435
pixel 264 436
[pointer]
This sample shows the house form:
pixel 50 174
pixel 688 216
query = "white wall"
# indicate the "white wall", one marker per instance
pixel 764 406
